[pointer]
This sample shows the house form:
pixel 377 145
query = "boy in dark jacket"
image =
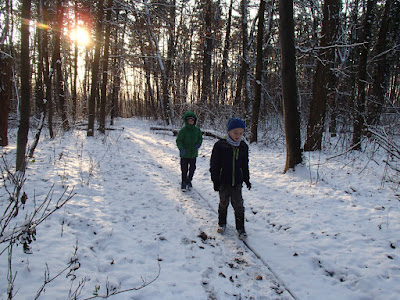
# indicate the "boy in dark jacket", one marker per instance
pixel 188 141
pixel 229 167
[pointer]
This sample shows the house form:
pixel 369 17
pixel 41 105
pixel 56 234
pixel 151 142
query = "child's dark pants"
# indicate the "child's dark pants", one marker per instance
pixel 231 194
pixel 188 165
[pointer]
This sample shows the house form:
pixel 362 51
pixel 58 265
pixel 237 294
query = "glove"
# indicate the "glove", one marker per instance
pixel 183 151
pixel 248 184
pixel 197 146
pixel 216 186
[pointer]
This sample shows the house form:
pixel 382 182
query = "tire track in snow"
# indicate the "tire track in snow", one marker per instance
pixel 277 280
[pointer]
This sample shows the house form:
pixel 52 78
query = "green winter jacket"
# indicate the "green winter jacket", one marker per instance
pixel 189 138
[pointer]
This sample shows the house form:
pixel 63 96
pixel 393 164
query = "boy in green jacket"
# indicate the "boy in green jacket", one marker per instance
pixel 188 141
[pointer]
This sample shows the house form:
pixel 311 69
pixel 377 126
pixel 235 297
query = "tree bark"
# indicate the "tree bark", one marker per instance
pixel 154 41
pixel 360 117
pixel 75 68
pixel 379 86
pixel 95 69
pixel 169 65
pixel 244 63
pixel 259 68
pixel 208 47
pixel 289 85
pixel 48 72
pixel 324 77
pixel 222 84
pixel 39 87
pixel 5 92
pixel 103 98
pixel 25 101
pixel 117 68
pixel 40 97
pixel 57 65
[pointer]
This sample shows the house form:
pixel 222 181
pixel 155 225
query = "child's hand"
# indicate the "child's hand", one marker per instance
pixel 183 151
pixel 248 184
pixel 197 146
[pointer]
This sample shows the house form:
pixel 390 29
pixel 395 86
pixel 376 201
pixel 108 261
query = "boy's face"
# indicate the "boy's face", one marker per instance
pixel 190 121
pixel 236 134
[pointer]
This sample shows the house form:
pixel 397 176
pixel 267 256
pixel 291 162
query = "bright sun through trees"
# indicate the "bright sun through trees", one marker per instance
pixel 81 36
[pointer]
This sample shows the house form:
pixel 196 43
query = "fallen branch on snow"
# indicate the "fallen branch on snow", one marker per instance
pixel 176 131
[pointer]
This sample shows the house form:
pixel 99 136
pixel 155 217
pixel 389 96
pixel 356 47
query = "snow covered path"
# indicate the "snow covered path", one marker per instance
pixel 222 265
pixel 335 239
pixel 128 216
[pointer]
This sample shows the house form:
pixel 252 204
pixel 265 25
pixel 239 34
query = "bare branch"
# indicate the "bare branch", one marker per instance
pixel 116 292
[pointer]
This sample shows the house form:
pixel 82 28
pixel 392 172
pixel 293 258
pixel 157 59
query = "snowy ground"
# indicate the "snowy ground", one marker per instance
pixel 330 230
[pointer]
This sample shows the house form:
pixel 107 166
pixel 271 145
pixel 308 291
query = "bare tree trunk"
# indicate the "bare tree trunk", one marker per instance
pixel 207 52
pixel 360 117
pixel 40 98
pixel 48 72
pixel 95 70
pixel 289 85
pixel 394 93
pixel 75 68
pixel 334 84
pixel 149 84
pixel 147 68
pixel 117 68
pixel 24 104
pixel 259 68
pixel 103 98
pixel 5 92
pixel 244 63
pixel 39 92
pixel 323 78
pixel 154 41
pixel 187 66
pixel 167 82
pixel 222 84
pixel 380 78
pixel 60 88
pixel 350 84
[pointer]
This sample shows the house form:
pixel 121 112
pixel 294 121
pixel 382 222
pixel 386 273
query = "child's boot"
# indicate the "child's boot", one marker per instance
pixel 242 234
pixel 221 229
pixel 183 186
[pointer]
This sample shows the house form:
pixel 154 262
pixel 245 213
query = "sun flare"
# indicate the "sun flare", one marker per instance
pixel 81 36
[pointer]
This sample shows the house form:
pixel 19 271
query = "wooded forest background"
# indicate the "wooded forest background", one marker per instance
pixel 156 59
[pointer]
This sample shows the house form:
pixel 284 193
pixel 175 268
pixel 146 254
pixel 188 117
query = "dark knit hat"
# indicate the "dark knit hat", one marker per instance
pixel 236 123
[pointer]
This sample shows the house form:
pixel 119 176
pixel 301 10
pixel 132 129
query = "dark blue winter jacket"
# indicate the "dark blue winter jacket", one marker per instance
pixel 229 165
